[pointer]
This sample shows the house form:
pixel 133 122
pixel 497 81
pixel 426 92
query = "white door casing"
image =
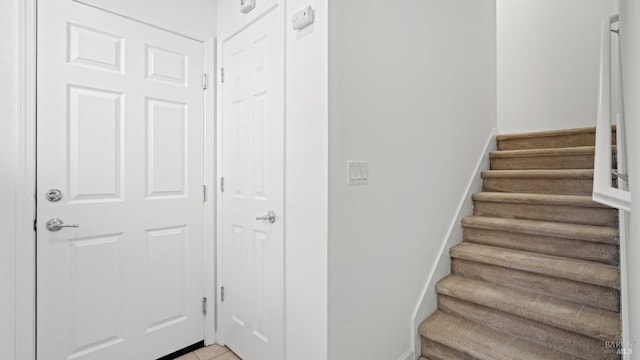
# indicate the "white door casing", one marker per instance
pixel 120 133
pixel 252 313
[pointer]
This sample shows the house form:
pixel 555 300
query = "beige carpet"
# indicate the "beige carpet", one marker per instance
pixel 536 275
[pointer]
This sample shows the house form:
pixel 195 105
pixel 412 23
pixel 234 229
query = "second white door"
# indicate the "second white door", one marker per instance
pixel 252 313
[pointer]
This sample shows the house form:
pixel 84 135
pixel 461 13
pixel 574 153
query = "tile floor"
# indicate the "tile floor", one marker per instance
pixel 213 352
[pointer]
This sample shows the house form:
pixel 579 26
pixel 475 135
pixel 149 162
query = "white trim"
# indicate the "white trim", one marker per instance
pixel 408 355
pixel 427 302
pixel 219 333
pixel 25 207
pixel 624 223
pixel 95 6
pixel 258 12
pixel 603 192
pixel 210 182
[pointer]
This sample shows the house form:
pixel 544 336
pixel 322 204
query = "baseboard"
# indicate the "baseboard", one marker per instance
pixel 408 355
pixel 427 303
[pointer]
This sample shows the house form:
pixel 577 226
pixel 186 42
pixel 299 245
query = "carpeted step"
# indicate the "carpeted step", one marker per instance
pixel 584 242
pixel 570 269
pixel 567 182
pixel 435 351
pixel 581 157
pixel 549 139
pixel 564 341
pixel 481 342
pixel 600 297
pixel 581 319
pixel 572 209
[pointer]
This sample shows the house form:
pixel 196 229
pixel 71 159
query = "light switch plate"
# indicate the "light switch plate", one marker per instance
pixel 247 5
pixel 357 172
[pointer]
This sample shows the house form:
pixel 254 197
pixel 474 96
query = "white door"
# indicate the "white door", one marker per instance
pixel 120 134
pixel 252 313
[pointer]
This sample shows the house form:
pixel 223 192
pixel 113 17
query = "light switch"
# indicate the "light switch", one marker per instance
pixel 358 172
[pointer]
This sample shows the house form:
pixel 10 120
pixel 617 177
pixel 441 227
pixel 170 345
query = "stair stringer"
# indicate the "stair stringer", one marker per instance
pixel 428 300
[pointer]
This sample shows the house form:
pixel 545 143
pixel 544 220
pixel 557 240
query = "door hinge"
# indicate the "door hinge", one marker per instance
pixel 222 75
pixel 35 224
pixel 221 184
pixel 204 193
pixel 204 306
pixel 205 81
pixel 222 294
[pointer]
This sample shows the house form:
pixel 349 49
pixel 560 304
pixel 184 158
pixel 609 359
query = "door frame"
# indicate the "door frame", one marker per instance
pixel 226 34
pixel 25 204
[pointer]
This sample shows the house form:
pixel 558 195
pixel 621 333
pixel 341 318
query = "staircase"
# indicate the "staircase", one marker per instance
pixel 536 276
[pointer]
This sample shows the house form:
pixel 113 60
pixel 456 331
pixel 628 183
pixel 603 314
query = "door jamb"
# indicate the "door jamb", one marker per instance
pixel 25 192
pixel 25 205
pixel 210 171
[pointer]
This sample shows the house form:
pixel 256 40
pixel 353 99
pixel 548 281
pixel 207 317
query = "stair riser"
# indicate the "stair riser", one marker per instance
pixel 547 142
pixel 552 337
pixel 540 244
pixel 550 142
pixel 543 162
pixel 539 186
pixel 545 212
pixel 592 295
pixel 434 351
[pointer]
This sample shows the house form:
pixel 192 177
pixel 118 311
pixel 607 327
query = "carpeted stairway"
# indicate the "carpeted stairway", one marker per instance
pixel 536 276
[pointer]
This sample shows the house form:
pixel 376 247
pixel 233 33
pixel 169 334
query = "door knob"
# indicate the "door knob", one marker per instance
pixel 56 224
pixel 270 217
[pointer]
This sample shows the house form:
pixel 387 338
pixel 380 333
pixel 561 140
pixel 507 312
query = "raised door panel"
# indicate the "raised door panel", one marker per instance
pixel 96 296
pixel 166 277
pixel 166 148
pixel 95 48
pixel 95 144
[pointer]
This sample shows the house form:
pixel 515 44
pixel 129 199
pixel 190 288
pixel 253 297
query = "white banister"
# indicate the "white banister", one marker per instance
pixel 603 190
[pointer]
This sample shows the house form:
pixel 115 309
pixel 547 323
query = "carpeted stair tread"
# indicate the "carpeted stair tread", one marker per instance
pixel 600 297
pixel 539 174
pixel 546 199
pixel 561 340
pixel 581 319
pixel 525 153
pixel 545 181
pixel 580 157
pixel 574 209
pixel 482 342
pixel 570 269
pixel 561 138
pixel 575 241
pixel 600 234
pixel 435 351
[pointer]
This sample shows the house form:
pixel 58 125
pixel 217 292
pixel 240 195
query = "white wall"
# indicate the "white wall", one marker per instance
pixel 548 63
pixel 306 192
pixel 630 35
pixel 306 184
pixel 412 90
pixel 9 108
pixel 194 18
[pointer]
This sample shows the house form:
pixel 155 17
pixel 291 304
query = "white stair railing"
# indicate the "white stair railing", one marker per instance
pixel 610 109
